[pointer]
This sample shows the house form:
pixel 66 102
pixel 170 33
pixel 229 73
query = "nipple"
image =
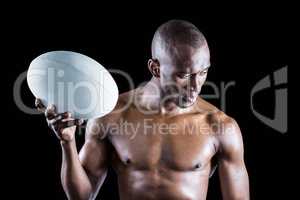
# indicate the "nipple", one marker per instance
pixel 198 166
pixel 128 161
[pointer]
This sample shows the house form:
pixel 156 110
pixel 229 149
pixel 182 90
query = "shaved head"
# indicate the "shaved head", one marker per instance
pixel 172 36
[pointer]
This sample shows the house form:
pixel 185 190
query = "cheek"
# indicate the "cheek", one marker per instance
pixel 201 79
pixel 181 83
pixel 187 83
pixel 166 79
pixel 171 81
pixel 170 84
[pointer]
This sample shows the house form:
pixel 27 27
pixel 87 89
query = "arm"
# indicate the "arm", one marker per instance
pixel 83 175
pixel 232 170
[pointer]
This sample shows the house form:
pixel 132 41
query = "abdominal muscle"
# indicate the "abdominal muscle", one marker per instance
pixel 162 184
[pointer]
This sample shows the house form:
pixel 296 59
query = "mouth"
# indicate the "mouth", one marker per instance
pixel 189 98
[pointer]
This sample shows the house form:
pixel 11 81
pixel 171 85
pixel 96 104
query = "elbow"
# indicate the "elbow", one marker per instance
pixel 77 192
pixel 79 195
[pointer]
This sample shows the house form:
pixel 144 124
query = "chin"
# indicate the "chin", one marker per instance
pixel 186 104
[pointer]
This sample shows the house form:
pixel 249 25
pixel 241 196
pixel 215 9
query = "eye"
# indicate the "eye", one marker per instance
pixel 203 72
pixel 184 76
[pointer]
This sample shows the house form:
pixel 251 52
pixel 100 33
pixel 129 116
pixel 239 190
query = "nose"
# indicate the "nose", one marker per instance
pixel 194 85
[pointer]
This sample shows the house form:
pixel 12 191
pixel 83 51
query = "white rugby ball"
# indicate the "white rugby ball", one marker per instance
pixel 73 82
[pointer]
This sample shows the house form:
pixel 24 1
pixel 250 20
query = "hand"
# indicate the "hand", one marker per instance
pixel 62 124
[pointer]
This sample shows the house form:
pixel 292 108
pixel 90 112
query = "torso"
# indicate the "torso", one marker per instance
pixel 163 157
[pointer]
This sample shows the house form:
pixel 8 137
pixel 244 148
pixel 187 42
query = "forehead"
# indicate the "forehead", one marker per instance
pixel 187 59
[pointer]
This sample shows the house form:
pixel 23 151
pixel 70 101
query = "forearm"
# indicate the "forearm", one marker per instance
pixel 74 179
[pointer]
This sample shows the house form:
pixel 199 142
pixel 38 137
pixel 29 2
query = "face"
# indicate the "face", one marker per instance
pixel 182 74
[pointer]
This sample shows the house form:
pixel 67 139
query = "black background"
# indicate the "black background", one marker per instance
pixel 246 44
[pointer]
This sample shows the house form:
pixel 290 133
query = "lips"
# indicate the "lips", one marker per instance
pixel 188 97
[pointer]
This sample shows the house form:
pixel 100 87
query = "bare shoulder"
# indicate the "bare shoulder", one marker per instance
pixel 229 137
pixel 127 97
pixel 213 114
pixel 225 128
pixel 203 106
pixel 98 127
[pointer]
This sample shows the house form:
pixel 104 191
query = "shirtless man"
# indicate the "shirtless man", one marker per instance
pixel 166 141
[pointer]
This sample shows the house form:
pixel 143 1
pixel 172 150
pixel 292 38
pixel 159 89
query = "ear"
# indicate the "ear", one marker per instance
pixel 154 67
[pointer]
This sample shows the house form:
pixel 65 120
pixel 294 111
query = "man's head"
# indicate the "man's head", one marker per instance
pixel 180 59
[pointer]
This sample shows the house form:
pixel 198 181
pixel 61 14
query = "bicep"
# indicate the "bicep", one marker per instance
pixel 234 180
pixel 94 158
pixel 232 169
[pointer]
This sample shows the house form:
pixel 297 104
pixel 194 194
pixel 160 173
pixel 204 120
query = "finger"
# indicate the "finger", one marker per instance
pixel 61 117
pixel 64 115
pixel 73 122
pixel 39 105
pixel 50 112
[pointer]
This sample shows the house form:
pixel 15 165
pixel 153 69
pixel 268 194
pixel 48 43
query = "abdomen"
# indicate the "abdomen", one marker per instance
pixel 160 184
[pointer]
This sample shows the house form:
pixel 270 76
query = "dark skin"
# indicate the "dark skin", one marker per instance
pixel 151 162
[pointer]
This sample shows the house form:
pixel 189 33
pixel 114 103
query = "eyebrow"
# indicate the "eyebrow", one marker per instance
pixel 206 68
pixel 185 73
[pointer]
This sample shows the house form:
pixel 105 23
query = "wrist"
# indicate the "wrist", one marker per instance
pixel 67 143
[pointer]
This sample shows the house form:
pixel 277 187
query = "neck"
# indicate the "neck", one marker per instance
pixel 152 96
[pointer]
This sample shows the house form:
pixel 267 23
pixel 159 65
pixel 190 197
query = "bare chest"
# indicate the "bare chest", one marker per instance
pixel 148 143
